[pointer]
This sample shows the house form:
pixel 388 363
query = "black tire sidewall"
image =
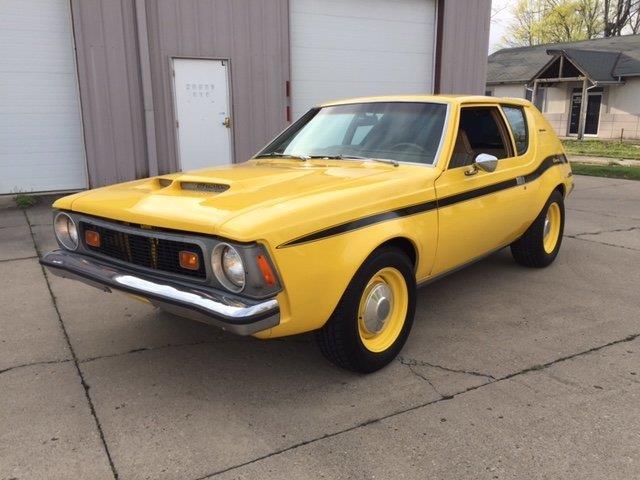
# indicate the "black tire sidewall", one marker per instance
pixel 364 359
pixel 529 250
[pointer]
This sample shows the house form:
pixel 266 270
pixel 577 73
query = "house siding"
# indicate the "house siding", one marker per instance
pixel 619 113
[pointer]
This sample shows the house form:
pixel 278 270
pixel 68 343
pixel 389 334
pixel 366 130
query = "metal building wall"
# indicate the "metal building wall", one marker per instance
pixel 252 34
pixel 109 78
pixel 464 46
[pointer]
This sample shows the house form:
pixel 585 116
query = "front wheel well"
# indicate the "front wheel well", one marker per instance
pixel 561 188
pixel 406 246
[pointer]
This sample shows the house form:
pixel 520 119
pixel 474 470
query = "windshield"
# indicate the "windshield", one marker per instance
pixel 401 131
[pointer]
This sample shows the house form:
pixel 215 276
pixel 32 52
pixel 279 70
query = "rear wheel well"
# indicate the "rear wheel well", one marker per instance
pixel 406 246
pixel 561 189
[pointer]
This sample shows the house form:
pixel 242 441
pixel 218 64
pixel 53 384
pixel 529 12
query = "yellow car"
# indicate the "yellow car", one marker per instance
pixel 333 225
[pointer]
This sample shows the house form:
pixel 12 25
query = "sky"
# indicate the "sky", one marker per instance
pixel 500 18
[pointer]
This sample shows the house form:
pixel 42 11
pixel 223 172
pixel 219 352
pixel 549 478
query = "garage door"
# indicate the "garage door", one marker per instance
pixel 349 48
pixel 41 143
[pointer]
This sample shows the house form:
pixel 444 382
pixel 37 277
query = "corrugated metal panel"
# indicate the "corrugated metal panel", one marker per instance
pixel 465 45
pixel 252 34
pixel 110 90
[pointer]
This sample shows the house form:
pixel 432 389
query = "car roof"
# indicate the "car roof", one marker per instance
pixel 450 99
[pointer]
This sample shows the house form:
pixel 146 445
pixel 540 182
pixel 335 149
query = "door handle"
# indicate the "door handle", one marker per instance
pixel 227 122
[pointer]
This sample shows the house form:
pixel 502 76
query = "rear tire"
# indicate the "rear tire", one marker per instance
pixel 539 245
pixel 373 319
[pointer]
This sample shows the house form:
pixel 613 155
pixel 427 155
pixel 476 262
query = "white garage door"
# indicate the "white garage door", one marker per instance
pixel 41 143
pixel 353 48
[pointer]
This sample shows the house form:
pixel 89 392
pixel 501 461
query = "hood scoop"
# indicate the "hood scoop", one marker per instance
pixel 204 187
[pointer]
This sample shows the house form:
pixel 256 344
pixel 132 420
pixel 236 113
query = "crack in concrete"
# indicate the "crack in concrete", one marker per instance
pixel 602 243
pixel 422 363
pixel 421 376
pixel 17 258
pixel 534 368
pixel 147 349
pixel 602 214
pixel 83 382
pixel 34 364
pixel 629 229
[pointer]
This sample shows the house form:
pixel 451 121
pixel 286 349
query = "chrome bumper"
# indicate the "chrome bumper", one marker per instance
pixel 231 313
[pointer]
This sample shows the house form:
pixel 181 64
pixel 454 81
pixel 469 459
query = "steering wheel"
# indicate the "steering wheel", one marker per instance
pixel 408 146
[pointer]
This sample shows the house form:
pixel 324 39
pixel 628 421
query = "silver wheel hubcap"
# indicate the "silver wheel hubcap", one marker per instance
pixel 377 308
pixel 547 226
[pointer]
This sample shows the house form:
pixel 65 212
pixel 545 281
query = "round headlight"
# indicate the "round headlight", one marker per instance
pixel 66 231
pixel 228 267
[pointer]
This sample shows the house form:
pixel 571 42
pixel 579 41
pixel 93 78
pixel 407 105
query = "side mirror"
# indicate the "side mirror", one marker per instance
pixel 484 162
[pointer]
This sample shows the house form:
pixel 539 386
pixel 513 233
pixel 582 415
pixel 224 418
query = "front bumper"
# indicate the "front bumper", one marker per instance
pixel 234 314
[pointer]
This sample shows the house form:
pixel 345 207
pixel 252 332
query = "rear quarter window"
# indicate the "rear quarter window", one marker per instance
pixel 518 124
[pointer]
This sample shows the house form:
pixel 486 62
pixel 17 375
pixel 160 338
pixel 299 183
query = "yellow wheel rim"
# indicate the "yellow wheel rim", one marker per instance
pixel 551 232
pixel 382 310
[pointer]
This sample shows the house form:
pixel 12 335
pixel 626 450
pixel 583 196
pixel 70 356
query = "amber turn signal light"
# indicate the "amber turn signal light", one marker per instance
pixel 265 269
pixel 92 238
pixel 189 260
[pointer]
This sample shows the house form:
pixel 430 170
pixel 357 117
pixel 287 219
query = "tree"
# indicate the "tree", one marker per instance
pixel 553 21
pixel 620 14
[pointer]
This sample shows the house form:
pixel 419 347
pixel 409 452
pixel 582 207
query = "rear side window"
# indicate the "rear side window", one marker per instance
pixel 481 130
pixel 518 123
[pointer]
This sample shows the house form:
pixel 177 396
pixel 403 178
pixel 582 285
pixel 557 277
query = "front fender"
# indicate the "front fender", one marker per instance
pixel 315 274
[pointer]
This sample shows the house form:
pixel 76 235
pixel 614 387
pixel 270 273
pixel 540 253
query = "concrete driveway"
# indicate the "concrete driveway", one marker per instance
pixel 508 373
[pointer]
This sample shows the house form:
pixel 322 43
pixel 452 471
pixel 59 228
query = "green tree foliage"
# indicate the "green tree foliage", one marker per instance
pixel 552 21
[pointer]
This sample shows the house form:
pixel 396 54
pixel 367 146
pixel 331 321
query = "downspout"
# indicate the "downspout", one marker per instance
pixel 147 92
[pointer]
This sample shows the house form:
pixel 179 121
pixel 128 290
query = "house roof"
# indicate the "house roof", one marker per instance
pixel 602 59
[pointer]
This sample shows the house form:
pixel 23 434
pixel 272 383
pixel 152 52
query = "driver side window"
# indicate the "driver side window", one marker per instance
pixel 481 130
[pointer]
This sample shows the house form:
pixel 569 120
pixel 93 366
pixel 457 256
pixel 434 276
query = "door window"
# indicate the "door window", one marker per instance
pixel 481 130
pixel 518 123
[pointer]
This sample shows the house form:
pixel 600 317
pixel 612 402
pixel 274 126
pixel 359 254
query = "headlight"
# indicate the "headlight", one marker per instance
pixel 66 231
pixel 228 267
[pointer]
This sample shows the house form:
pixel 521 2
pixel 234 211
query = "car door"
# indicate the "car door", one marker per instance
pixel 480 211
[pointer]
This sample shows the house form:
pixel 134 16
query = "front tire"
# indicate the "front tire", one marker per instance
pixel 373 319
pixel 539 245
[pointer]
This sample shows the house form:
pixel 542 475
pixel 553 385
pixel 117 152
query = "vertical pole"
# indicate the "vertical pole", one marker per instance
pixel 583 109
pixel 534 93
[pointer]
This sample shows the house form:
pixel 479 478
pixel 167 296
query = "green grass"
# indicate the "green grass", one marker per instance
pixel 609 171
pixel 604 148
pixel 24 200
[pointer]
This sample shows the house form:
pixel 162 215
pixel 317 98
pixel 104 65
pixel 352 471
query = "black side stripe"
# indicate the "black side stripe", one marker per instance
pixel 430 205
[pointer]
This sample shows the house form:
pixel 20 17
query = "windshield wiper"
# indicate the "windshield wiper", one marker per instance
pixel 356 157
pixel 304 158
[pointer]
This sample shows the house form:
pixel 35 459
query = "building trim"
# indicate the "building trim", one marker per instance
pixel 145 84
pixel 437 67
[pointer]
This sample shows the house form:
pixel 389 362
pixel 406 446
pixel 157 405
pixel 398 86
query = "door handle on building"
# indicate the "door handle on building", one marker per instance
pixel 227 122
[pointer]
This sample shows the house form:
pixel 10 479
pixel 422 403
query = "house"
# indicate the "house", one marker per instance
pixel 589 88
pixel 102 91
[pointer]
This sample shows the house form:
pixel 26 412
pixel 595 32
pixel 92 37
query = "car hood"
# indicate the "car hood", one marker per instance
pixel 248 201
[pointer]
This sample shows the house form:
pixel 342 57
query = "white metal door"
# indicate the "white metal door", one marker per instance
pixel 41 141
pixel 352 48
pixel 203 117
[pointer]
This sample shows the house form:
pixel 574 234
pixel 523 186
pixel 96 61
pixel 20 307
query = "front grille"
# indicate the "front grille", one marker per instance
pixel 150 252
